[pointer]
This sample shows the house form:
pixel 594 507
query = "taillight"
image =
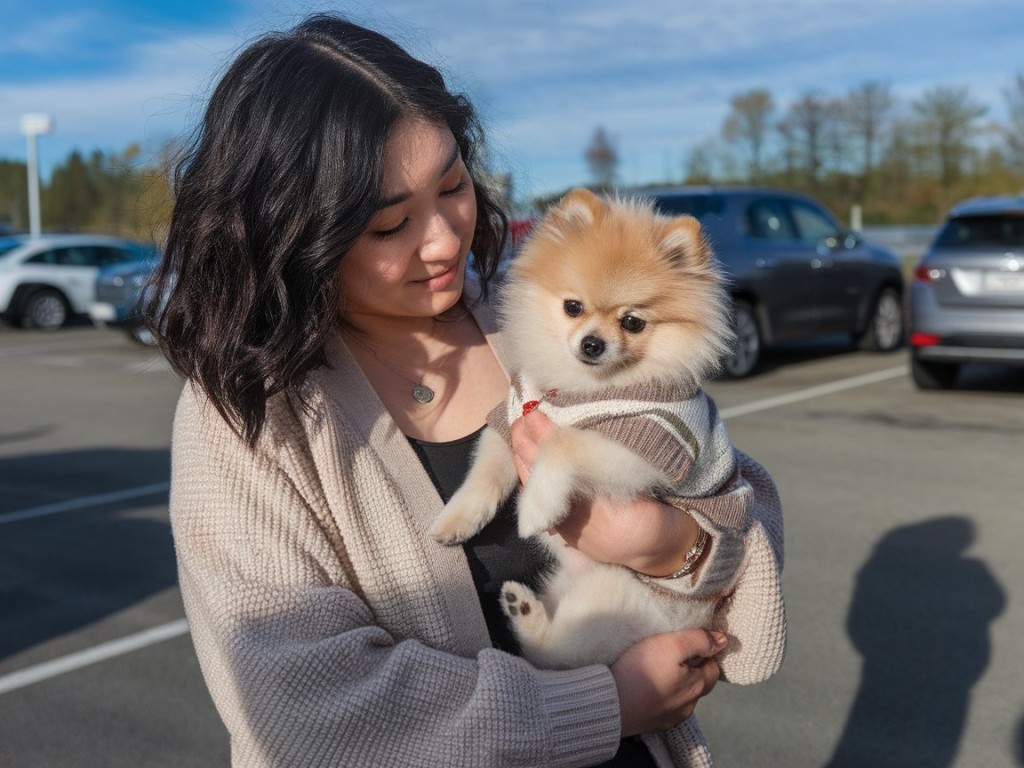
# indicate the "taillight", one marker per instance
pixel 926 274
pixel 924 339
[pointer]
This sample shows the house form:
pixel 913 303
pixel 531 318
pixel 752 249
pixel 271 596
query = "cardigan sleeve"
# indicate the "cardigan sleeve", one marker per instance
pixel 298 669
pixel 743 571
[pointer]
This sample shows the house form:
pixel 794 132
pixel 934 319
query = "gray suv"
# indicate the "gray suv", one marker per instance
pixel 967 297
pixel 795 272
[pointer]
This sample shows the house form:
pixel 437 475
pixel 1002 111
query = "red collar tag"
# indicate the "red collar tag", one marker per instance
pixel 531 405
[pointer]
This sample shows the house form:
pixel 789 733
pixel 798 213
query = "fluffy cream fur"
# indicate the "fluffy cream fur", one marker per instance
pixel 605 293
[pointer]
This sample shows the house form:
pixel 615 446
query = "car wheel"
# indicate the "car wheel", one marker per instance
pixel 140 334
pixel 931 375
pixel 884 331
pixel 746 351
pixel 45 309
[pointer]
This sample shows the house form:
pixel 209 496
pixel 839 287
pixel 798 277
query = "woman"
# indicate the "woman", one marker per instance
pixel 314 296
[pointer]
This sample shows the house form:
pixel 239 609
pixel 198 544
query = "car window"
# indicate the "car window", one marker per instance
pixel 112 255
pixel 697 206
pixel 75 256
pixel 813 224
pixel 768 220
pixel 993 230
pixel 45 257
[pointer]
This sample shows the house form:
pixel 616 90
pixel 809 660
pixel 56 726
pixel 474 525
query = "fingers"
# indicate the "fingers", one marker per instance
pixel 537 425
pixel 699 645
pixel 527 432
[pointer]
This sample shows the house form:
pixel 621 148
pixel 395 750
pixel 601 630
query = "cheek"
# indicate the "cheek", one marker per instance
pixel 467 217
pixel 369 266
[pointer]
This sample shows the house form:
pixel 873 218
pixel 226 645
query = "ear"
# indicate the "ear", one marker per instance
pixel 683 241
pixel 580 205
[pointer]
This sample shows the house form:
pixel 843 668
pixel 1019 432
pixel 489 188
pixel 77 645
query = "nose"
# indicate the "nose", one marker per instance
pixel 441 241
pixel 592 346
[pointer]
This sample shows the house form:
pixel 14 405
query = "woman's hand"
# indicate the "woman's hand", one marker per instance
pixel 661 678
pixel 641 534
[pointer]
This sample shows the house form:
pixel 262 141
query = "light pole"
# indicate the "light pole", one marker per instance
pixel 33 126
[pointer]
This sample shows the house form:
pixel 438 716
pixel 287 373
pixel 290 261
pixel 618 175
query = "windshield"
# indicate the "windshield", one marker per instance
pixel 697 206
pixel 993 230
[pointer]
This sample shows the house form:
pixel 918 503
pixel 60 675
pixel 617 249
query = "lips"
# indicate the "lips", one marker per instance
pixel 441 280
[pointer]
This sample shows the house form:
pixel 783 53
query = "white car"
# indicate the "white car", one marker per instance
pixel 45 280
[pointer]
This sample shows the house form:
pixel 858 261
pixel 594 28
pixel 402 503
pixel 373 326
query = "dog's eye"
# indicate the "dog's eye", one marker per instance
pixel 632 324
pixel 573 308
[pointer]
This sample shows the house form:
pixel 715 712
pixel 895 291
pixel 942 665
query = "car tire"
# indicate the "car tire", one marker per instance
pixel 928 374
pixel 746 350
pixel 885 328
pixel 45 309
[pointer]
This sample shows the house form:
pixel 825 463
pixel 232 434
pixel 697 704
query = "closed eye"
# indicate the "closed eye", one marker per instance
pixel 457 189
pixel 384 234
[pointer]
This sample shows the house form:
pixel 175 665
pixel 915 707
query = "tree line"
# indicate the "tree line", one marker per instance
pixel 115 193
pixel 901 162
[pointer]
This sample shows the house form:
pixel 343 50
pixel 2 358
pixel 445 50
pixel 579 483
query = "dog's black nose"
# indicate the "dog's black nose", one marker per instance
pixel 593 347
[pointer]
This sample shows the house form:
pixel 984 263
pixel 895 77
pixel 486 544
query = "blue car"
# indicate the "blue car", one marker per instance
pixel 118 294
pixel 794 271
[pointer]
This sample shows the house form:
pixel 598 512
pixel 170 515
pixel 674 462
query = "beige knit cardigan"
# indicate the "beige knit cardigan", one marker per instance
pixel 333 631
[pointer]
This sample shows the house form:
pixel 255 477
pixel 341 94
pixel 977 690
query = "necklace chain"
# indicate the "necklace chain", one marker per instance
pixel 421 393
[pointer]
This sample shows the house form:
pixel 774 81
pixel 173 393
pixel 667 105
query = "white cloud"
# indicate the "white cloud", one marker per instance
pixel 658 75
pixel 156 100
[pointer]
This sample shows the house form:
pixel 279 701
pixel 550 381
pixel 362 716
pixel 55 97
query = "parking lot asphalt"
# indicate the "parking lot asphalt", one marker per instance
pixel 903 540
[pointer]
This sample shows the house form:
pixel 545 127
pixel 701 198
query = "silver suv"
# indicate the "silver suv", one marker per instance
pixel 967 297
pixel 795 272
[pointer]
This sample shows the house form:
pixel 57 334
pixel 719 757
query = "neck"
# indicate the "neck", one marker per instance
pixel 390 332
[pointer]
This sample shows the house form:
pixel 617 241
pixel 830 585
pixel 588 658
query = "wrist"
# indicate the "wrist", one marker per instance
pixel 690 544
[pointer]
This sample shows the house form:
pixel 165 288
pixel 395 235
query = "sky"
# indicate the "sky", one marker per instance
pixel 657 76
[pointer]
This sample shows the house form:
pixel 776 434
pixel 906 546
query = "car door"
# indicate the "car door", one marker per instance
pixel 73 269
pixel 841 265
pixel 779 268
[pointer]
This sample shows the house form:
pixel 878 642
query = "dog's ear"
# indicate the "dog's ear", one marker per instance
pixel 684 243
pixel 580 205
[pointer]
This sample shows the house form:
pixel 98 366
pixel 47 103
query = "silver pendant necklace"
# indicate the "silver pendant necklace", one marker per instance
pixel 421 393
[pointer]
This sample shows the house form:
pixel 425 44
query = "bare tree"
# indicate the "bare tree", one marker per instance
pixel 806 128
pixel 946 123
pixel 1015 130
pixel 866 112
pixel 748 125
pixel 602 159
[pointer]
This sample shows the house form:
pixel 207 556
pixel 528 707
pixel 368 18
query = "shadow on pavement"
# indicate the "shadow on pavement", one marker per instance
pixel 920 618
pixel 64 571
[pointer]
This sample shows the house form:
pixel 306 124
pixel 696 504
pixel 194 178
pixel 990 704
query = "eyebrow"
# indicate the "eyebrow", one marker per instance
pixel 403 196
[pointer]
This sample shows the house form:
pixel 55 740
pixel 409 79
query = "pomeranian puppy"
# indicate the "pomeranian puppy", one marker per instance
pixel 615 314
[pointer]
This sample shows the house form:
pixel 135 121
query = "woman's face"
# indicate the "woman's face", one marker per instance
pixel 410 261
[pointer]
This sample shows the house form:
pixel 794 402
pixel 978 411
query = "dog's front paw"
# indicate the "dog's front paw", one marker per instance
pixel 540 508
pixel 463 517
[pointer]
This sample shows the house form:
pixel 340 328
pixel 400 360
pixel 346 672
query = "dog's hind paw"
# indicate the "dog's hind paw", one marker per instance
pixel 525 611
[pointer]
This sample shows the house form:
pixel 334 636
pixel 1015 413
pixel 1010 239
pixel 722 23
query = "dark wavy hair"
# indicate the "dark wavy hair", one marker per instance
pixel 281 177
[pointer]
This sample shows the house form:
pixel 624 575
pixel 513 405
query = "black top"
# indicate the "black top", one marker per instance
pixel 497 555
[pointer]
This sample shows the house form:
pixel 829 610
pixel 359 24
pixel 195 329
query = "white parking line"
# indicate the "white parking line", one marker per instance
pixel 84 503
pixel 98 653
pixel 71 662
pixel 811 392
